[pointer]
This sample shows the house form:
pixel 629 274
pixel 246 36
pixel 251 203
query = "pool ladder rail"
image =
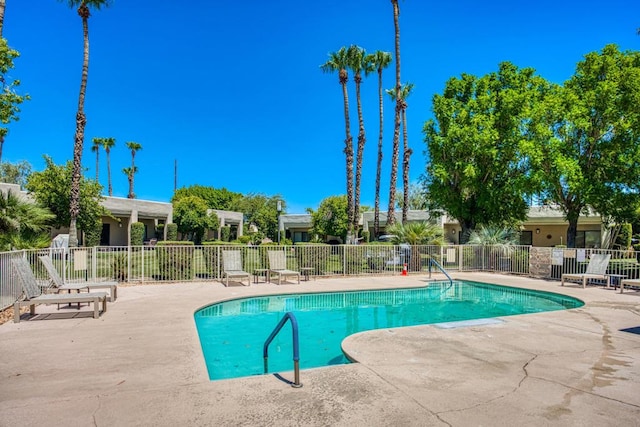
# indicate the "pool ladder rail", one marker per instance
pixel 441 268
pixel 289 316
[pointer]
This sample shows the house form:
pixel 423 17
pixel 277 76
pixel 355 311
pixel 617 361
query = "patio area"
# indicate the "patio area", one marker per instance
pixel 141 364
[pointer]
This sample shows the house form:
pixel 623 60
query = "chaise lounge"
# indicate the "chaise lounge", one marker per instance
pixel 596 269
pixel 278 266
pixel 232 267
pixel 59 284
pixel 33 294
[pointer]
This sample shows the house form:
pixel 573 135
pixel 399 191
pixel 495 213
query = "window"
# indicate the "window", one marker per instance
pixel 526 238
pixel 588 239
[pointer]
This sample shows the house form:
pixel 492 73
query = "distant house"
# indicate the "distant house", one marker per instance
pixel 545 226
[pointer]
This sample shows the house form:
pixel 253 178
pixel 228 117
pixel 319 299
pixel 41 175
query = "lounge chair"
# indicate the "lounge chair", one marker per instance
pixel 232 267
pixel 629 282
pixel 596 269
pixel 278 265
pixel 59 284
pixel 33 294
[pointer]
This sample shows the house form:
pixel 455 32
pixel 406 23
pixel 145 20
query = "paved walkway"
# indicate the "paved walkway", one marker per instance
pixel 141 364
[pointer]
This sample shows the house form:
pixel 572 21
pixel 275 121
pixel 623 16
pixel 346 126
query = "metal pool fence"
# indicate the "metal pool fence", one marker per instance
pixel 204 262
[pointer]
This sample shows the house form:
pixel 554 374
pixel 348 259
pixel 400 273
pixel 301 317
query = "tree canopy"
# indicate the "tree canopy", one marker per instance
pixel 15 173
pixel 51 188
pixel 10 100
pixel 215 198
pixel 478 146
pixel 191 217
pixel 589 139
pixel 331 218
pixel 262 211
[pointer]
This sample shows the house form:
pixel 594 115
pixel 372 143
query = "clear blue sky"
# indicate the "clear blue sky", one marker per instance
pixel 233 90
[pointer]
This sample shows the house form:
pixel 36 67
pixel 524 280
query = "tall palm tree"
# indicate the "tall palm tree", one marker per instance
pixel 107 144
pixel 406 153
pixel 359 63
pixel 129 172
pixel 97 142
pixel 84 7
pixel 339 61
pixel 2 4
pixel 379 60
pixel 134 147
pixel 396 129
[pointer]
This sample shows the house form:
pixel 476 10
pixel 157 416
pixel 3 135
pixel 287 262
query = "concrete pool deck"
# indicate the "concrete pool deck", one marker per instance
pixel 141 364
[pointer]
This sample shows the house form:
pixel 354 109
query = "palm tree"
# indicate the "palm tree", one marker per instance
pixel 379 60
pixel 2 4
pixel 81 120
pixel 502 242
pixel 416 234
pixel 97 142
pixel 406 153
pixel 107 144
pixel 339 61
pixel 359 63
pixel 134 147
pixel 396 129
pixel 129 172
pixel 23 224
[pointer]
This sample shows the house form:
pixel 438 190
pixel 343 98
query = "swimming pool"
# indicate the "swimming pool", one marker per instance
pixel 232 333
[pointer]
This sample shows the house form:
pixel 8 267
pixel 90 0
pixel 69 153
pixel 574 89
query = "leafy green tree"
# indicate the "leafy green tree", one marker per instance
pixel 331 218
pixel 262 211
pixel 134 147
pixel 23 223
pixel 339 61
pixel 379 60
pixel 15 173
pixel 51 188
pixel 9 98
pixel 418 198
pixel 478 147
pixel 191 217
pixel 391 218
pixel 589 139
pixel 216 198
pixel 84 11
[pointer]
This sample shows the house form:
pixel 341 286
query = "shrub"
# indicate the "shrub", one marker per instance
pixel 175 260
pixel 285 242
pixel 213 257
pixel 137 234
pixel 160 232
pixel 172 232
pixel 313 255
pixel 244 239
pixel 623 240
pixel 119 267
pixel 366 236
pixel 92 234
pixel 225 233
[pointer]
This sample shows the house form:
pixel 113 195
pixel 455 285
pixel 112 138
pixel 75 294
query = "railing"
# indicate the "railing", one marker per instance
pixel 296 348
pixel 437 264
pixel 204 262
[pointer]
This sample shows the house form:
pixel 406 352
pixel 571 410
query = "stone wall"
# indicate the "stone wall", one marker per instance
pixel 540 262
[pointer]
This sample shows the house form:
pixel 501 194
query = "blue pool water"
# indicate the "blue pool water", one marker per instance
pixel 232 333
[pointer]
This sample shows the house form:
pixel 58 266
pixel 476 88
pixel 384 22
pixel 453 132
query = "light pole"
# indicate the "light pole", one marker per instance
pixel 279 209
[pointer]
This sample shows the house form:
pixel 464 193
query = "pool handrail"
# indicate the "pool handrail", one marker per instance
pixel 441 268
pixel 296 348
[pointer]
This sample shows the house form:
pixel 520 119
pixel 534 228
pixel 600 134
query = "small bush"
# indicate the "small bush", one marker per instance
pixel 225 233
pixel 172 232
pixel 213 257
pixel 160 232
pixel 92 235
pixel 119 267
pixel 175 260
pixel 313 255
pixel 366 236
pixel 244 239
pixel 137 234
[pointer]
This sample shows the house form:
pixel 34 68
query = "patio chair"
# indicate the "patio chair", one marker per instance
pixel 278 265
pixel 232 267
pixel 59 284
pixel 596 269
pixel 33 294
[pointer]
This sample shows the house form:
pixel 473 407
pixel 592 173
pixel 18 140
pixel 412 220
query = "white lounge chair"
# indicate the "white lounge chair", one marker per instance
pixel 60 285
pixel 232 267
pixel 629 282
pixel 596 269
pixel 33 294
pixel 278 265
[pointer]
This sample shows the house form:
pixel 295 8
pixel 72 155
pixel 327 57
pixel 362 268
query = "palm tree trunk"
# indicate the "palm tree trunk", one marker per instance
pixel 396 130
pixel 81 121
pixel 2 4
pixel 97 164
pixel 109 172
pixel 376 213
pixel 361 142
pixel 405 167
pixel 348 151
